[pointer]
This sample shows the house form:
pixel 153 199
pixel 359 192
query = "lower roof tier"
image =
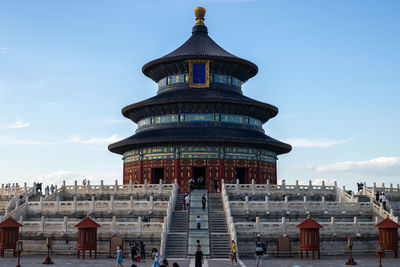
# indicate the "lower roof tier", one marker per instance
pixel 200 135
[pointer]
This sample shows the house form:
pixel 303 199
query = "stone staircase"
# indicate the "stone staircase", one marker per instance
pixel 219 236
pixel 177 238
pixel 194 234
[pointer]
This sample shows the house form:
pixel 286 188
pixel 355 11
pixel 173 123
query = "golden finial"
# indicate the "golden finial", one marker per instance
pixel 87 215
pixel 387 216
pixel 309 216
pixel 199 12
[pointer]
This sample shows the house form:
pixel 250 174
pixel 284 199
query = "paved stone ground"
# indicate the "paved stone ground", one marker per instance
pixel 331 261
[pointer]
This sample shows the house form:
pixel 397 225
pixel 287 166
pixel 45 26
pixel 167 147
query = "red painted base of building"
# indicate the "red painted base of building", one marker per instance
pixel 184 169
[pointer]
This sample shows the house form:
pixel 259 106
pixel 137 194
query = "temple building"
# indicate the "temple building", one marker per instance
pixel 200 125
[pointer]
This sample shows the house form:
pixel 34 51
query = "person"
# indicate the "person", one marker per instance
pixel 216 185
pixel 164 263
pixel 377 197
pixel 175 264
pixel 200 181
pixel 259 255
pixel 52 188
pixel 199 258
pixel 198 243
pixel 184 202
pixel 191 184
pixel 119 257
pixel 203 201
pixel 198 222
pixel 187 201
pixel 384 201
pixel 84 182
pixel 156 258
pixel 142 248
pixel 133 250
pixel 233 252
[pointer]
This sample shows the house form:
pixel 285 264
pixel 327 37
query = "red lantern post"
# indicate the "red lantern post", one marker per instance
pixel 48 245
pixel 19 250
pixel 87 236
pixel 388 235
pixel 380 251
pixel 9 235
pixel 350 261
pixel 309 237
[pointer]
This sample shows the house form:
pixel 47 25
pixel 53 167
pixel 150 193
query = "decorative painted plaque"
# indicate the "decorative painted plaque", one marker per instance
pixel 199 73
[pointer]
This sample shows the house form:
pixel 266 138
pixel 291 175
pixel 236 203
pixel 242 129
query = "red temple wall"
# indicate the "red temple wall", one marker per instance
pixel 181 169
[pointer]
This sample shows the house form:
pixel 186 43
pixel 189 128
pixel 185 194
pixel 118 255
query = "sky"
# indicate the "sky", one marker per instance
pixel 67 68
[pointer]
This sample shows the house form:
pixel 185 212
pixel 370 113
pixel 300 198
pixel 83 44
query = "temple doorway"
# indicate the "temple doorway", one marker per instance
pixel 156 175
pixel 199 176
pixel 241 175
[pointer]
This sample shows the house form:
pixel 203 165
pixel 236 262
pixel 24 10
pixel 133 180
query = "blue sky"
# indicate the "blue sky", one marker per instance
pixel 331 67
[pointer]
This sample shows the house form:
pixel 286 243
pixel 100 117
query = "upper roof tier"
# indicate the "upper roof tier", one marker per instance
pixel 200 46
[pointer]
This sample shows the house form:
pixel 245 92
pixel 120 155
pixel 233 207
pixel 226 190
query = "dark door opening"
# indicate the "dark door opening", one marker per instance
pixel 156 175
pixel 199 176
pixel 241 175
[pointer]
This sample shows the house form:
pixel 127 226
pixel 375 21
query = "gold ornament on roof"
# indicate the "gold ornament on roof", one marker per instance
pixel 199 12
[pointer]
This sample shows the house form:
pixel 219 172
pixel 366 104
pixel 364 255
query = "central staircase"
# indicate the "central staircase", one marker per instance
pixel 219 236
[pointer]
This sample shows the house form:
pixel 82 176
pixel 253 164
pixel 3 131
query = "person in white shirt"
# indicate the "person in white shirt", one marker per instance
pixel 383 200
pixel 198 222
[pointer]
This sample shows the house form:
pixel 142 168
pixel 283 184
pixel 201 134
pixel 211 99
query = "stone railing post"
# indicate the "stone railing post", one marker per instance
pixel 246 204
pixel 266 204
pixel 343 191
pixel 297 187
pixel 383 187
pixel 283 226
pixel 130 186
pixel 116 187
pixel 237 186
pixel 374 187
pixel 310 186
pixel 88 187
pixel 75 187
pixel 34 188
pixel 74 205
pixel 335 183
pixel 26 191
pixel 151 205
pixel 161 186
pixel 140 225
pixel 131 204
pixel 42 224
pixel 257 224
pixel 41 203
pixel 93 206
pixel 364 189
pixel 101 187
pixel 283 185
pixel 323 202
pixel 145 186
pixel 286 203
pixel 355 222
pixel 305 202
pixel 333 226
pixel 65 224
pixel 57 203
pixel 111 204
pixel 114 225
pixel 253 186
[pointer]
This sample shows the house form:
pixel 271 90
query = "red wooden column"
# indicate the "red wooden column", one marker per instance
pixel 309 237
pixel 87 236
pixel 388 235
pixel 9 235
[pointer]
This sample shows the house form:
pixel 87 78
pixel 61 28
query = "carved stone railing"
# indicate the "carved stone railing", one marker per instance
pixel 168 218
pixel 296 206
pixel 95 205
pixel 330 229
pixel 67 227
pixel 228 214
pixel 127 189
pixel 267 189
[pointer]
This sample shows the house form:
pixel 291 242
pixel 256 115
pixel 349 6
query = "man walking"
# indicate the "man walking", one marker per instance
pixel 198 222
pixel 203 201
pixel 259 255
pixel 199 257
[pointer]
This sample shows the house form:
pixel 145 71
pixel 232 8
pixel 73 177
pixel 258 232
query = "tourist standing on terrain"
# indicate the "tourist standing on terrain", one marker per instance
pixel 142 248
pixel 198 222
pixel 203 201
pixel 215 185
pixel 199 257
pixel 156 258
pixel 119 257
pixel 133 250
pixel 187 201
pixel 233 252
pixel 259 255
pixel 384 201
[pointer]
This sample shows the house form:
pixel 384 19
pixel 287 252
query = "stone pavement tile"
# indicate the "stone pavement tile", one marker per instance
pixel 72 261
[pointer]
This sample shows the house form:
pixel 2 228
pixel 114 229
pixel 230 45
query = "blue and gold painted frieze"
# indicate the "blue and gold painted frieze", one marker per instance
pixel 213 78
pixel 201 117
pixel 200 152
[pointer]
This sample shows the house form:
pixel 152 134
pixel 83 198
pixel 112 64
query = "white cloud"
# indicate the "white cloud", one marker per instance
pixel 319 142
pixel 15 125
pixel 3 51
pixel 75 139
pixel 377 163
pixel 10 140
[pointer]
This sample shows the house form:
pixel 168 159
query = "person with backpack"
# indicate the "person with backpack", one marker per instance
pixel 259 255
